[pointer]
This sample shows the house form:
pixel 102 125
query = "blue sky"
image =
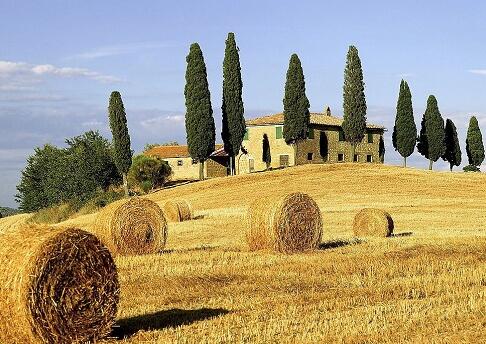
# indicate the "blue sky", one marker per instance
pixel 59 61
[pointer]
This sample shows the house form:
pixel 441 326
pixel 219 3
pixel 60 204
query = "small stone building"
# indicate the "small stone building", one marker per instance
pixel 185 168
pixel 325 144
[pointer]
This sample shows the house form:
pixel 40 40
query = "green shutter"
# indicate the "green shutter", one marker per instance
pixel 246 135
pixel 278 132
pixel 310 133
pixel 370 137
pixel 341 135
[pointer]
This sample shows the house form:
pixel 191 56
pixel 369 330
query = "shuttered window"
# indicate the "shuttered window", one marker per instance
pixel 370 137
pixel 341 135
pixel 310 133
pixel 278 132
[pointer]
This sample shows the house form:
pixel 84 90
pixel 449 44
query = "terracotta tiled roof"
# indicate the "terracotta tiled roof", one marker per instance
pixel 315 118
pixel 165 152
pixel 219 152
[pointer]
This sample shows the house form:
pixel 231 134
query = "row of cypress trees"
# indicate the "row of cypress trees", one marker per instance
pixel 435 139
pixel 200 127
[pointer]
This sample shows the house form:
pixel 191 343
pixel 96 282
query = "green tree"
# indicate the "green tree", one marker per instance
pixel 452 152
pixel 149 172
pixel 73 174
pixel 354 101
pixel 296 105
pixel 404 135
pixel 431 139
pixel 234 126
pixel 42 182
pixel 474 143
pixel 121 139
pixel 323 145
pixel 266 154
pixel 200 129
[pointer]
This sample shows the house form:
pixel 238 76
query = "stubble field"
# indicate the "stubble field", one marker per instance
pixel 425 284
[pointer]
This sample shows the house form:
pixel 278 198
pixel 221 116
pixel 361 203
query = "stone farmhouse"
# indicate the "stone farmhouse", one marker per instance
pixel 325 143
pixel 185 168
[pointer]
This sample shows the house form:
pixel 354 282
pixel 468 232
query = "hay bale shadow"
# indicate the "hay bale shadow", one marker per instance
pixel 404 234
pixel 127 327
pixel 199 217
pixel 191 249
pixel 339 243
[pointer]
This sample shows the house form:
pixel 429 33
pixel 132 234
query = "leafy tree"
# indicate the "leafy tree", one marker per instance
pixel 121 139
pixel 149 146
pixel 73 174
pixel 474 143
pixel 452 152
pixel 42 179
pixel 200 129
pixel 266 155
pixel 323 145
pixel 354 101
pixel 431 139
pixel 404 135
pixel 296 105
pixel 149 172
pixel 234 126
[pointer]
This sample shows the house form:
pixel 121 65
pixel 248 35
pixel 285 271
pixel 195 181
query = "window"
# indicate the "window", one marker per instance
pixel 278 132
pixel 180 162
pixel 370 137
pixel 310 156
pixel 341 136
pixel 340 157
pixel 284 160
pixel 310 133
pixel 356 158
pixel 251 164
pixel 194 161
pixel 246 135
pixel 369 158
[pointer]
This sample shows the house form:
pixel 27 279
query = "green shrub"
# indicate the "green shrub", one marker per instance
pixel 471 168
pixel 148 173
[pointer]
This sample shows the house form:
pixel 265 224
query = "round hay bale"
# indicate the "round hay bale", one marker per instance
pixel 133 226
pixel 373 222
pixel 177 210
pixel 58 286
pixel 291 223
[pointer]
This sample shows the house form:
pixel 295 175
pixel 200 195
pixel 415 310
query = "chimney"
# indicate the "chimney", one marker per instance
pixel 327 111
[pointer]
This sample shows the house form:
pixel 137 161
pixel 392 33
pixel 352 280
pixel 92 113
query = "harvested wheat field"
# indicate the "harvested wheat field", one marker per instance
pixel 426 283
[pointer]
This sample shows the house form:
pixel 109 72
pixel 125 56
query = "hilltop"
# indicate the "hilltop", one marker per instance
pixel 426 284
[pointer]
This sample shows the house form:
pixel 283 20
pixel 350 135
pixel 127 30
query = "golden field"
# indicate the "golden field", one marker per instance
pixel 427 284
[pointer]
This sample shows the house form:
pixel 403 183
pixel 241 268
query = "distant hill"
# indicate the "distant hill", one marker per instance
pixel 5 211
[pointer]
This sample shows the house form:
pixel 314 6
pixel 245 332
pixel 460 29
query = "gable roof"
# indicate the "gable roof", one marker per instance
pixel 178 151
pixel 315 118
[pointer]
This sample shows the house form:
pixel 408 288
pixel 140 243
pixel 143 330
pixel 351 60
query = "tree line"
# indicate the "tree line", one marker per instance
pixel 435 139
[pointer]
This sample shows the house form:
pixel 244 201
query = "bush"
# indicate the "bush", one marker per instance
pixel 471 168
pixel 148 173
pixel 67 175
pixel 53 214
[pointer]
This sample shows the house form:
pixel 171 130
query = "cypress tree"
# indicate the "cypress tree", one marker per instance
pixel 323 145
pixel 200 129
pixel 452 152
pixel 431 139
pixel 474 143
pixel 234 126
pixel 296 105
pixel 405 131
pixel 354 102
pixel 266 155
pixel 122 153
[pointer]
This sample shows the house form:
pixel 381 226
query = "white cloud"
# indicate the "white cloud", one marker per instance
pixel 477 71
pixel 114 50
pixel 93 123
pixel 176 119
pixel 28 73
pixel 405 75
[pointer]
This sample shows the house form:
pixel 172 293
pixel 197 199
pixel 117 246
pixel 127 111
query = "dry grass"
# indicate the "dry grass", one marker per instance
pixel 427 283
pixel 373 222
pixel 288 224
pixel 58 286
